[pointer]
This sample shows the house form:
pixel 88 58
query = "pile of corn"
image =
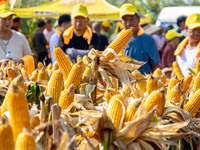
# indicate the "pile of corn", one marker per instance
pixel 96 106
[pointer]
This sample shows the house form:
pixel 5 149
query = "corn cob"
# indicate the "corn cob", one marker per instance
pixel 67 97
pixel 80 59
pixel 136 92
pixel 40 66
pixel 17 81
pixel 35 121
pixel 142 84
pixel 114 82
pixel 131 109
pixel 11 73
pixel 116 111
pixel 175 93
pixel 3 65
pixel 25 141
pixel 43 75
pixel 86 72
pixel 157 72
pixel 25 75
pixel 197 64
pixel 55 86
pixel 156 98
pixel 11 63
pixel 55 67
pixel 86 60
pixel 126 91
pixel 177 70
pixel 173 81
pixel 196 84
pixel 34 75
pixel 74 76
pixel 50 66
pixel 193 104
pixel 6 135
pixel 152 85
pixel 118 44
pixel 18 109
pixel 63 62
pixel 186 82
pixel 21 66
pixel 109 93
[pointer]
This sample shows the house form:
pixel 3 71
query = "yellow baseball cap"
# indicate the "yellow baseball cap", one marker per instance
pixel 79 10
pixel 172 34
pixel 127 9
pixel 106 24
pixel 5 11
pixel 193 21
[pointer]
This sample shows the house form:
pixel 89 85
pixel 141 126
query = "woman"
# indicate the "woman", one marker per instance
pixel 11 40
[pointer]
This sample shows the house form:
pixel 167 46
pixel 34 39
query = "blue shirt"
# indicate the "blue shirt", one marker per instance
pixel 143 48
pixel 52 42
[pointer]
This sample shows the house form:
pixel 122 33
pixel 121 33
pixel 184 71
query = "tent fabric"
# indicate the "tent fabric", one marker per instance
pixel 97 9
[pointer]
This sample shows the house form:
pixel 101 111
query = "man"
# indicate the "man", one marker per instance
pixel 17 23
pixel 64 22
pixel 189 49
pixel 181 24
pixel 168 57
pixel 105 26
pixel 39 42
pixel 141 46
pixel 48 31
pixel 103 41
pixel 78 39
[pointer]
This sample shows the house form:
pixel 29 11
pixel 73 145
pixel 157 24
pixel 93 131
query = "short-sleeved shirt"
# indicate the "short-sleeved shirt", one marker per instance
pixel 18 45
pixel 168 56
pixel 48 34
pixel 78 42
pixel 143 48
pixel 39 42
pixel 103 42
pixel 53 42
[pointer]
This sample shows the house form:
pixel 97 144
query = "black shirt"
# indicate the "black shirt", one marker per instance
pixel 78 42
pixel 103 42
pixel 39 42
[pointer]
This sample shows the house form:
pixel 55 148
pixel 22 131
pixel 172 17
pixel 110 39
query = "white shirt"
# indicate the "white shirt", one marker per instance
pixel 18 45
pixel 186 60
pixel 48 34
pixel 53 42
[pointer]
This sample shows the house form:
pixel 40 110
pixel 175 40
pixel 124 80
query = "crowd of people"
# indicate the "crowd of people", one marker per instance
pixel 156 46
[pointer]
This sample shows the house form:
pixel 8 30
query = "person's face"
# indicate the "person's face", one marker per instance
pixel 6 23
pixel 106 29
pixel 176 41
pixel 79 23
pixel 194 34
pixel 182 25
pixel 129 21
pixel 49 26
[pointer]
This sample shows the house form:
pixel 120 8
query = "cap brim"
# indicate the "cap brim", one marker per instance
pixel 179 35
pixel 79 14
pixel 6 14
pixel 151 29
pixel 194 25
pixel 127 13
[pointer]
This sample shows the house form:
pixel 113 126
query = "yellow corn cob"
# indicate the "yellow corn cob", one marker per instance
pixel 40 66
pixel 155 99
pixel 17 81
pixel 86 73
pixel 86 60
pixel 80 59
pixel 131 109
pixel 34 75
pixel 136 92
pixel 177 70
pixel 67 97
pixel 152 85
pixel 186 82
pixel 55 86
pixel 157 72
pixel 69 59
pixel 6 135
pixel 35 121
pixel 109 93
pixel 196 84
pixel 118 44
pixel 21 66
pixel 175 93
pixel 142 84
pixel 18 109
pixel 50 66
pixel 63 62
pixel 193 104
pixel 25 141
pixel 173 81
pixel 163 79
pixel 55 66
pixel 25 75
pixel 11 63
pixel 11 73
pixel 197 64
pixel 43 75
pixel 74 75
pixel 126 91
pixel 3 65
pixel 114 82
pixel 115 111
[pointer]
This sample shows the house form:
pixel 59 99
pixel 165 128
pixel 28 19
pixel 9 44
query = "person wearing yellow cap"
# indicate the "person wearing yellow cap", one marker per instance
pixel 105 28
pixel 12 43
pixel 189 49
pixel 141 46
pixel 168 57
pixel 78 39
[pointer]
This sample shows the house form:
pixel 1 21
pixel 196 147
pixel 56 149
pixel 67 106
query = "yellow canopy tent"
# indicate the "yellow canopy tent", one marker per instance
pixel 97 9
